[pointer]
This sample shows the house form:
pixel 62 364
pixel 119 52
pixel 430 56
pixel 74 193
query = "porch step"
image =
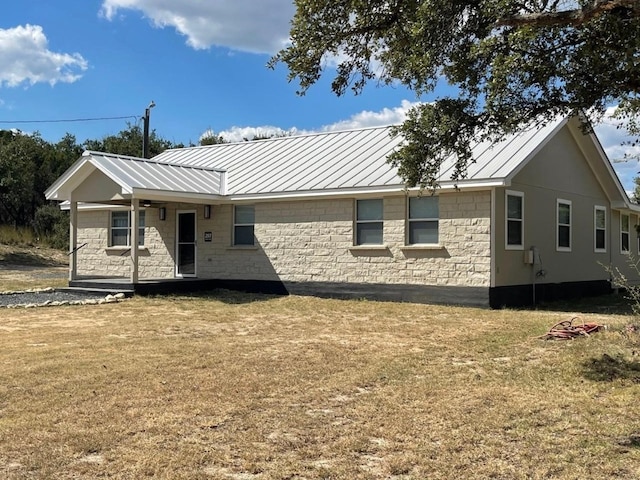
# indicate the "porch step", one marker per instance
pixel 99 290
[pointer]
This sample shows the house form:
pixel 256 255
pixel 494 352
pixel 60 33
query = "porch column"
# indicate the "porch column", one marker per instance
pixel 73 239
pixel 135 209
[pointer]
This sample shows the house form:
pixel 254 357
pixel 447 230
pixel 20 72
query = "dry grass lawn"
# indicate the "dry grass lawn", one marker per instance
pixel 237 386
pixel 22 268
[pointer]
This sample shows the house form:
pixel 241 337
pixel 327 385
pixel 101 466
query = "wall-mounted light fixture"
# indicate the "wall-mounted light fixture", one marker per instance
pixel 162 213
pixel 146 203
pixel 207 211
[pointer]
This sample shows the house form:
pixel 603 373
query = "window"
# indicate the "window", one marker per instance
pixel 121 228
pixel 600 229
pixel 624 233
pixel 514 231
pixel 564 225
pixel 369 222
pixel 423 220
pixel 243 224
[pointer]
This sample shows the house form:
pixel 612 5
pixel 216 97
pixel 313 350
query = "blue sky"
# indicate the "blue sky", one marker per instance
pixel 203 63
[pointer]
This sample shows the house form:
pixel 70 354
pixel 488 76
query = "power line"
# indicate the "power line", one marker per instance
pixel 68 120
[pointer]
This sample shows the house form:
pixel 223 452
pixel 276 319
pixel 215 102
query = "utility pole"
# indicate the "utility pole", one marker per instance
pixel 145 133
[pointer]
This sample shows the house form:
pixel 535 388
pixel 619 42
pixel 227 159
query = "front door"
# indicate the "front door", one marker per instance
pixel 186 248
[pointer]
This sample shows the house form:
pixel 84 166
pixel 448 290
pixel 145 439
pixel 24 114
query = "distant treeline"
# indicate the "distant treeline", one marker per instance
pixel 29 165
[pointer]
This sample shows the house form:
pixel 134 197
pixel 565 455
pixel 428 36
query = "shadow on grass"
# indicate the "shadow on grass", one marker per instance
pixel 230 297
pixel 630 441
pixel 611 304
pixel 32 259
pixel 608 368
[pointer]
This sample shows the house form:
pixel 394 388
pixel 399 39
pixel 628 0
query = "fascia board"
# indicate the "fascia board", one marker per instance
pixel 628 206
pixel 609 167
pixel 64 206
pixel 170 196
pixel 68 179
pixel 360 192
pixel 607 164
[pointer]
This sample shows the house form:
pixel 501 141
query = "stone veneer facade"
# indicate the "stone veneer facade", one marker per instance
pixel 308 245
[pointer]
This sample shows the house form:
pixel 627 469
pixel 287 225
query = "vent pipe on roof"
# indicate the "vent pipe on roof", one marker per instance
pixel 145 133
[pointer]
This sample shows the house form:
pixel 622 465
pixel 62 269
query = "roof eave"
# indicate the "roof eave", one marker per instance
pixel 485 184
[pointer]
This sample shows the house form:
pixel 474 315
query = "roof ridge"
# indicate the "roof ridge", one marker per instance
pixel 88 153
pixel 285 137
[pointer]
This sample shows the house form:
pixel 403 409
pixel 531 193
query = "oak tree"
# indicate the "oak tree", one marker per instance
pixel 510 62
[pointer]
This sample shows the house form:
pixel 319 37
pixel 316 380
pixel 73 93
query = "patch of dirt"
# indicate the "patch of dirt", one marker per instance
pixel 19 277
pixel 32 256
pixel 23 268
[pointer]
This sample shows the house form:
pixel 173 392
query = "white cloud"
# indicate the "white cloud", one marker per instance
pixel 386 116
pixel 243 25
pixel 239 134
pixel 624 157
pixel 25 58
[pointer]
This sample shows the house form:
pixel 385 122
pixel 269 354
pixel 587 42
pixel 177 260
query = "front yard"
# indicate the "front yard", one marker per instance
pixel 237 386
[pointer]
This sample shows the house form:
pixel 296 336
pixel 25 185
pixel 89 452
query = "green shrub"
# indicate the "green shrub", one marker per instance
pixel 52 226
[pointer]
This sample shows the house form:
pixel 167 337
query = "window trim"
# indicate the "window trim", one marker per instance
pixel 596 209
pixel 559 248
pixel 627 232
pixel 409 220
pixel 253 225
pixel 141 228
pixel 507 245
pixel 358 222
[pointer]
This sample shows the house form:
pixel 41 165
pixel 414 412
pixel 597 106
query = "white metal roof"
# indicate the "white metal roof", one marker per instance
pixel 328 163
pixel 354 159
pixel 138 174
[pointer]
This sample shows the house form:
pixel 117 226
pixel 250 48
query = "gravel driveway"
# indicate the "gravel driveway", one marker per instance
pixel 42 297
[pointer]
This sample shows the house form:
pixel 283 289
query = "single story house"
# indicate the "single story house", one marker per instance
pixel 539 216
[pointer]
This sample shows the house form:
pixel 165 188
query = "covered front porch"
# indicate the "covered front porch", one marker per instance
pixel 108 196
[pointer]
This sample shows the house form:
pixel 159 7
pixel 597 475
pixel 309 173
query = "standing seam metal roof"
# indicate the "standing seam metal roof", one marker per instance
pixel 351 159
pixel 341 160
pixel 137 173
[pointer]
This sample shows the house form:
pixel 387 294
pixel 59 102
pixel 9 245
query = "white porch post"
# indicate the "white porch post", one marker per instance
pixel 73 239
pixel 135 208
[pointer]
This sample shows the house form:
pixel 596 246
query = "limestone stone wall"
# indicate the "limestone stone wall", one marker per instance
pixel 312 241
pixel 308 241
pixel 98 259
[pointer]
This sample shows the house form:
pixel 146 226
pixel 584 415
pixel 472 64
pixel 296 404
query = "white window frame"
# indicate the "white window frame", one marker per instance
pixel 252 225
pixel 507 194
pixel 141 228
pixel 626 232
pixel 359 222
pixel 596 209
pixel 569 225
pixel 410 220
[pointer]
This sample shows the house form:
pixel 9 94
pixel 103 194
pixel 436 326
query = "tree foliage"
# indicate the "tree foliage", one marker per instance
pixel 29 165
pixel 635 196
pixel 512 62
pixel 211 138
pixel 129 142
